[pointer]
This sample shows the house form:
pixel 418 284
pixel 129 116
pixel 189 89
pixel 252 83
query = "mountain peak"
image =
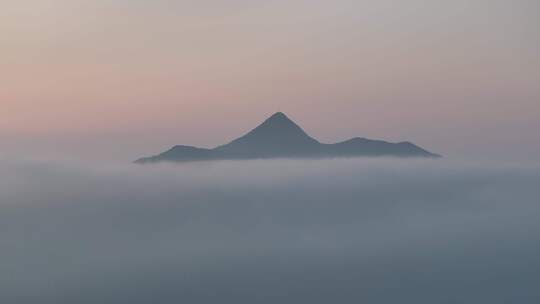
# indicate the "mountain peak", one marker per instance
pixel 279 136
pixel 278 118
pixel 279 115
pixel 279 125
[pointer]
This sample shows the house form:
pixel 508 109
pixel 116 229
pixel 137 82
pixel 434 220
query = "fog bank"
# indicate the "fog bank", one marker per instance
pixel 279 231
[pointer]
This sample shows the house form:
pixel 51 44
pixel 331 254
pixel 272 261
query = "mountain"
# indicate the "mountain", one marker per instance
pixel 280 137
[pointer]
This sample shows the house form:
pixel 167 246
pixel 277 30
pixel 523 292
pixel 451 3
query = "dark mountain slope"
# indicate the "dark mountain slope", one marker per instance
pixel 278 136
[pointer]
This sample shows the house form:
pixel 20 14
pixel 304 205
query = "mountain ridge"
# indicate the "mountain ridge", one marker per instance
pixel 280 137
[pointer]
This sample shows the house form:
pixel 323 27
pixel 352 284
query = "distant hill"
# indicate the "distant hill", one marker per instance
pixel 280 137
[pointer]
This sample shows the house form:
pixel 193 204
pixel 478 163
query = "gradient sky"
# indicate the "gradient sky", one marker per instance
pixel 119 79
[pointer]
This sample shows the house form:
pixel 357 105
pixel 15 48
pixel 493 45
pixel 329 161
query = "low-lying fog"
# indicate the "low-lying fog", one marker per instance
pixel 280 231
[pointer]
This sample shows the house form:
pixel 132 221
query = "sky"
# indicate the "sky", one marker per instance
pixel 118 79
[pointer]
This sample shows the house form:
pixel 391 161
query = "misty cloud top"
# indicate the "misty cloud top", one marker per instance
pixel 279 231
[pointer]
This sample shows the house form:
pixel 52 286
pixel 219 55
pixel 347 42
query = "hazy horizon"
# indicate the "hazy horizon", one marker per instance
pixel 116 80
pixel 89 86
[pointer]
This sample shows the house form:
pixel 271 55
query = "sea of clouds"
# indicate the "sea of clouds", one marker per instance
pixel 277 231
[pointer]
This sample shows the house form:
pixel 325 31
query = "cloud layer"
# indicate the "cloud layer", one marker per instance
pixel 336 231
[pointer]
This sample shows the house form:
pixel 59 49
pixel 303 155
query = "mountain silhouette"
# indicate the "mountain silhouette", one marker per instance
pixel 280 137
